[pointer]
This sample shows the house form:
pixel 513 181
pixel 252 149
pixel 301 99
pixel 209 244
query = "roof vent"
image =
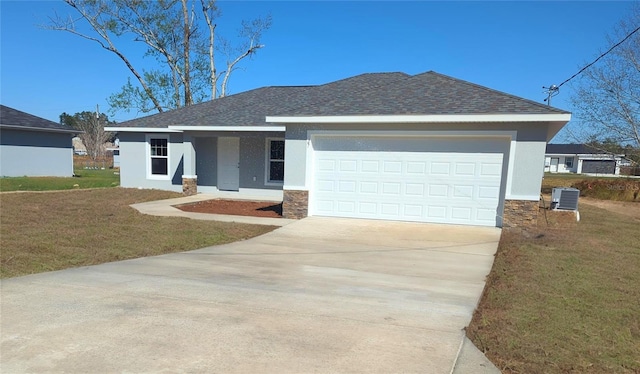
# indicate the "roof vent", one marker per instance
pixel 563 198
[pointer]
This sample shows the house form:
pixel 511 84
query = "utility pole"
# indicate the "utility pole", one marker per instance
pixel 551 91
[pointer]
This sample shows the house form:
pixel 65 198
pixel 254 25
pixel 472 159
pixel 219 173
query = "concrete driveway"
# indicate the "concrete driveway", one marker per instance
pixel 318 295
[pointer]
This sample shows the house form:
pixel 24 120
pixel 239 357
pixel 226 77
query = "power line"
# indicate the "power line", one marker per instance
pixel 554 89
pixel 601 56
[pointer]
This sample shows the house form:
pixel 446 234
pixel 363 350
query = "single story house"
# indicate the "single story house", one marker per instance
pixel 392 146
pixel 582 159
pixel 34 146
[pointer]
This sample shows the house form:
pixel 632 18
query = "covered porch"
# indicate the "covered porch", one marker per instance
pixel 233 162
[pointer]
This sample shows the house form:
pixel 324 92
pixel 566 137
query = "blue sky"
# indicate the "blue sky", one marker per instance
pixel 512 46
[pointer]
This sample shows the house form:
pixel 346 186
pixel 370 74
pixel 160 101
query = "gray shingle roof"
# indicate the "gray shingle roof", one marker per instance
pixel 10 117
pixel 367 94
pixel 571 149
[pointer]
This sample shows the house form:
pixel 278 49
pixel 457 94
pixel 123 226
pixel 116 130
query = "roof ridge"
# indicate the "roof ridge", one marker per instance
pixel 364 74
pixel 485 88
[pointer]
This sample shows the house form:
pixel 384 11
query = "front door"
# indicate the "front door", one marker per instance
pixel 554 164
pixel 228 163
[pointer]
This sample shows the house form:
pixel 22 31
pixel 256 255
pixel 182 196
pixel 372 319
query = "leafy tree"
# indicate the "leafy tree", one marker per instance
pixel 607 95
pixel 179 34
pixel 91 130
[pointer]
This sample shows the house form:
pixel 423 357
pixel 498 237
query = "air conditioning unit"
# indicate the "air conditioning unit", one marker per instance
pixel 564 198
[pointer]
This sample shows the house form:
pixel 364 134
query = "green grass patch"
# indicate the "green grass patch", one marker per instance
pixel 564 299
pixel 84 178
pixel 57 230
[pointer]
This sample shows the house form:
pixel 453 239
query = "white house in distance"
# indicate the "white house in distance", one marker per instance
pixel 582 159
pixel 34 146
pixel 392 146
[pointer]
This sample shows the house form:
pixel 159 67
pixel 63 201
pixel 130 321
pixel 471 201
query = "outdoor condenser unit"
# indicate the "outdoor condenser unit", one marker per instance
pixel 565 198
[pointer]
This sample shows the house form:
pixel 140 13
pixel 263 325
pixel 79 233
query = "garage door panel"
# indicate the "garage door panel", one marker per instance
pixel 325 164
pixel 370 166
pixel 446 187
pixel 493 169
pixel 461 213
pixel 347 186
pixel 462 192
pixel 324 185
pixel 465 169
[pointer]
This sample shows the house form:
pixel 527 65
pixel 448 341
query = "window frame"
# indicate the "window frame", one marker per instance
pixel 148 138
pixel 568 160
pixel 268 160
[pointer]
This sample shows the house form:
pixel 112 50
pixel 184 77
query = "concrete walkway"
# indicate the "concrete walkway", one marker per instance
pixel 318 295
pixel 166 208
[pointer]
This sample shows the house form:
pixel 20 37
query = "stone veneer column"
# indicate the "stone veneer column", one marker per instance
pixel 520 213
pixel 295 204
pixel 189 186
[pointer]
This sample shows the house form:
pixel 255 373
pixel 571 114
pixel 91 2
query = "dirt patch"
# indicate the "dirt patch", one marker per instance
pixel 235 207
pixel 630 209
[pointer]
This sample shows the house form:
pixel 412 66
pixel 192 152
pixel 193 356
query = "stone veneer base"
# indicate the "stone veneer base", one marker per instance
pixel 190 186
pixel 520 213
pixel 295 204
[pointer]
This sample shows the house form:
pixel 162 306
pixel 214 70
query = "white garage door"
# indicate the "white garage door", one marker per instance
pixel 443 180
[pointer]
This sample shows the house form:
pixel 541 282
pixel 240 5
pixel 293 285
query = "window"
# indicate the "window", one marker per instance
pixel 568 162
pixel 275 161
pixel 157 156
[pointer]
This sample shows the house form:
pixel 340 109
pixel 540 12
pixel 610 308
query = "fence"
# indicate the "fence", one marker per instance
pixel 630 170
pixel 85 162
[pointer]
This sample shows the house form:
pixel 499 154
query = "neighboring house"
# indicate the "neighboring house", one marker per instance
pixel 115 152
pixel 582 159
pixel 34 146
pixel 78 146
pixel 427 148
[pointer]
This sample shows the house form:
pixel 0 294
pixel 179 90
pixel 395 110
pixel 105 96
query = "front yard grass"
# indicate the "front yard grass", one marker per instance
pixel 56 230
pixel 84 178
pixel 564 299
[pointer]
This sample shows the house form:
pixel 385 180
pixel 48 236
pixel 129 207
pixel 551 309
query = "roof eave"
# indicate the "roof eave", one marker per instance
pixel 139 129
pixel 43 129
pixel 557 118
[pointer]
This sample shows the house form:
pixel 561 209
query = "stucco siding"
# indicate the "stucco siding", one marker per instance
pixel 206 161
pixel 528 170
pixel 35 153
pixel 253 163
pixel 133 160
pixel 252 154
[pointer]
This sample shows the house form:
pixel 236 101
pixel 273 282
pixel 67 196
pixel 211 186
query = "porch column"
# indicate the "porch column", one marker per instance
pixel 189 177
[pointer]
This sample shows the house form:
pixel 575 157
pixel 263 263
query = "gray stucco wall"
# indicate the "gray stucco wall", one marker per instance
pixel 528 155
pixel 35 153
pixel 133 160
pixel 206 161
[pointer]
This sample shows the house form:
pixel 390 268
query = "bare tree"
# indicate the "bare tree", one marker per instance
pixel 171 31
pixel 91 130
pixel 607 96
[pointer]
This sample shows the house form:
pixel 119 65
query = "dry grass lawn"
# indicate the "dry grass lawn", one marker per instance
pixel 56 230
pixel 566 298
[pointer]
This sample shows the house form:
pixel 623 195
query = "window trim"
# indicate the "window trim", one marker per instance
pixel 566 164
pixel 267 163
pixel 148 138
